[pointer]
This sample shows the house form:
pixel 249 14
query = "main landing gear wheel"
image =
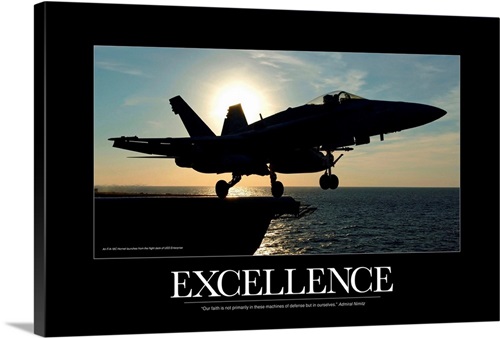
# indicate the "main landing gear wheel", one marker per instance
pixel 277 189
pixel 222 187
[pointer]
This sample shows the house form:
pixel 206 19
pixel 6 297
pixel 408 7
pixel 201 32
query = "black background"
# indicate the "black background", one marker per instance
pixel 133 296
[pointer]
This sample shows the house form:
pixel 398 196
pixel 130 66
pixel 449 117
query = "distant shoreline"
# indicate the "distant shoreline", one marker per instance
pixel 142 194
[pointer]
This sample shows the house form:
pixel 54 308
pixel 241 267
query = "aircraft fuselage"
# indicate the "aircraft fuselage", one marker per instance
pixel 347 124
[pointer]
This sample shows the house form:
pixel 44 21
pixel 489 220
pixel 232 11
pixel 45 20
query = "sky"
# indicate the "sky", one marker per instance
pixel 133 86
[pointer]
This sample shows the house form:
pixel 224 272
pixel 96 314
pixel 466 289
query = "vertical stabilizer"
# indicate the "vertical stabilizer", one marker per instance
pixel 193 123
pixel 235 120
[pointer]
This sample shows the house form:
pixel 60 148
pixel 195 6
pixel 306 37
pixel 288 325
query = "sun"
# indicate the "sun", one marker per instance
pixel 249 98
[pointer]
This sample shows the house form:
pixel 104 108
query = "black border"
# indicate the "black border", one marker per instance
pixel 76 295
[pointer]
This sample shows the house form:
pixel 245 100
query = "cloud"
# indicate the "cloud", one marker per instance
pixel 351 81
pixel 450 101
pixel 120 68
pixel 323 71
pixel 135 101
pixel 278 59
pixel 286 67
pixel 428 69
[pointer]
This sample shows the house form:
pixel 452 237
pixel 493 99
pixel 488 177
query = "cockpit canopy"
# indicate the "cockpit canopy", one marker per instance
pixel 335 97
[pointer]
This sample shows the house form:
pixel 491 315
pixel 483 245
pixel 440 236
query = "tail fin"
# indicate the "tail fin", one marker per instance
pixel 235 120
pixel 193 123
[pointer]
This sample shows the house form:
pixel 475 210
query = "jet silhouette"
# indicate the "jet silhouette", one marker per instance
pixel 296 140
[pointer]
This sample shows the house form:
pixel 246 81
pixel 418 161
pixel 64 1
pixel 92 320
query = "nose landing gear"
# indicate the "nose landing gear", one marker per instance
pixel 328 181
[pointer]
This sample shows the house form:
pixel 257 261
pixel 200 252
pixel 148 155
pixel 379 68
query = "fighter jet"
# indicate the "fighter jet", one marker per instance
pixel 296 140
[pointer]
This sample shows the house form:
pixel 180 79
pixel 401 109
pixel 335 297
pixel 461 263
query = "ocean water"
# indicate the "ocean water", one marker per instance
pixel 369 220
pixel 353 220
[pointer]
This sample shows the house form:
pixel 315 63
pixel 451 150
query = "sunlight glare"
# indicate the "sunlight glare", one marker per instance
pixel 234 93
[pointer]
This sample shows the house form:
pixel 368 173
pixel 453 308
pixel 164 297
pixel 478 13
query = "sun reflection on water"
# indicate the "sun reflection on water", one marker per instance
pixel 246 192
pixel 277 239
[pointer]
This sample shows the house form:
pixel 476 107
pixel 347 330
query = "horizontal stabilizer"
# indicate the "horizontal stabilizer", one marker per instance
pixel 235 120
pixel 193 123
pixel 154 147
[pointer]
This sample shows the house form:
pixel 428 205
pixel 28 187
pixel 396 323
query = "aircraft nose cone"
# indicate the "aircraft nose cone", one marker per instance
pixel 424 113
pixel 404 115
pixel 412 115
pixel 434 113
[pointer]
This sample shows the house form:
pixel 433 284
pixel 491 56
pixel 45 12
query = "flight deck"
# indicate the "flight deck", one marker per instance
pixel 156 225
